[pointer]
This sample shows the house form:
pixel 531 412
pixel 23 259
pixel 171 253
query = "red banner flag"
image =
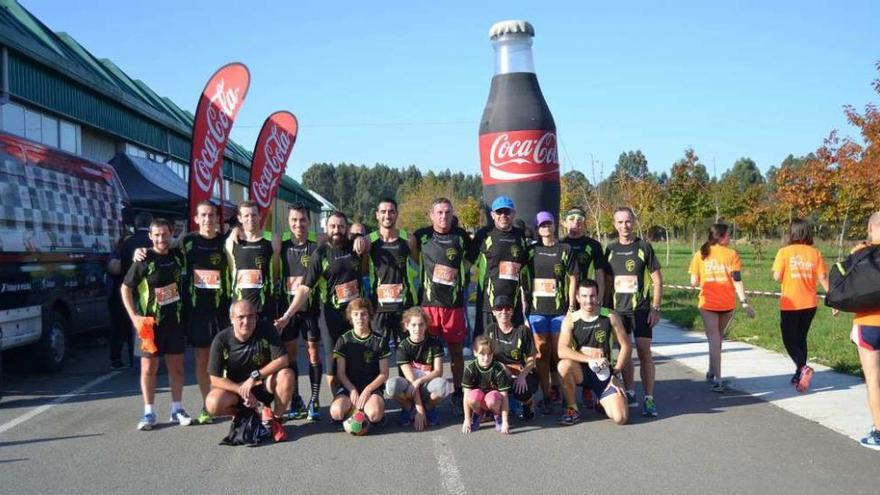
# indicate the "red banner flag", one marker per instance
pixel 218 106
pixel 271 152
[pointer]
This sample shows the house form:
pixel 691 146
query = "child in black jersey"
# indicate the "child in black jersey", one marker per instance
pixel 486 385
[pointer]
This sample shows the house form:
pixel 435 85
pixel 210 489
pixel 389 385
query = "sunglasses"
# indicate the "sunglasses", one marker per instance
pixel 504 308
pixel 503 211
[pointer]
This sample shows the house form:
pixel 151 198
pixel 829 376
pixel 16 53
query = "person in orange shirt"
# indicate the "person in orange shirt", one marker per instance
pixel 798 266
pixel 716 269
pixel 866 335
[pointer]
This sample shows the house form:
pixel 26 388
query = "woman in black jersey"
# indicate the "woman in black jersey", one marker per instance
pixel 585 357
pixel 514 348
pixel 361 366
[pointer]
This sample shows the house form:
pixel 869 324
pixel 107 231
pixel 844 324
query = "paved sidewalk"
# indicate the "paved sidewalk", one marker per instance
pixel 836 400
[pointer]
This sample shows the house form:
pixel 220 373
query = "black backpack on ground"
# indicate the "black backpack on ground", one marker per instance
pixel 854 283
pixel 246 428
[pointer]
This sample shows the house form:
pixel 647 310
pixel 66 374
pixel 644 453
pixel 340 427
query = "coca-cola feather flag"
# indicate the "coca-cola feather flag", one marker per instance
pixel 271 152
pixel 218 106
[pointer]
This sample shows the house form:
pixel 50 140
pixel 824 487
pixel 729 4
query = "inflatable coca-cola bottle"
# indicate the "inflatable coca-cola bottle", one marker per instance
pixel 518 155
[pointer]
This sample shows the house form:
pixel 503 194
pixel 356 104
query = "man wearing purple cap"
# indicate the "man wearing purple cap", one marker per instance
pixel 501 253
pixel 554 271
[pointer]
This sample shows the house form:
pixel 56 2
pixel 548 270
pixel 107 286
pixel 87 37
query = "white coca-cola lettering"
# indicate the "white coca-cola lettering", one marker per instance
pixel 218 125
pixel 540 151
pixel 275 150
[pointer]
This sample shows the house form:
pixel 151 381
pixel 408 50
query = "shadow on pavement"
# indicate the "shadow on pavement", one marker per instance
pixel 49 439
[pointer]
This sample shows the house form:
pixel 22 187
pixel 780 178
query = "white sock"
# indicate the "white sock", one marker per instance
pixel 176 406
pixel 649 397
pixel 148 409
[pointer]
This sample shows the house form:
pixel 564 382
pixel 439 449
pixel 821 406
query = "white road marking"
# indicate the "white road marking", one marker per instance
pixel 448 469
pixel 45 407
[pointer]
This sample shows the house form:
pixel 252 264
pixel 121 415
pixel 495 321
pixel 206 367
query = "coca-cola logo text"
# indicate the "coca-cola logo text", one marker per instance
pixel 541 151
pixel 275 151
pixel 519 156
pixel 218 122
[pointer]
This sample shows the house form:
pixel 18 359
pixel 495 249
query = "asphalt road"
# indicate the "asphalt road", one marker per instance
pixel 702 442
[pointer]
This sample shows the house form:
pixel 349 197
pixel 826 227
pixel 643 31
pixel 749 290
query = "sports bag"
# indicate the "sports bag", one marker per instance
pixel 854 283
pixel 246 428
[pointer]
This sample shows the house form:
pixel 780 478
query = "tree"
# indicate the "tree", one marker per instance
pixel 321 178
pixel 416 204
pixel 574 190
pixel 469 213
pixel 689 192
pixel 632 164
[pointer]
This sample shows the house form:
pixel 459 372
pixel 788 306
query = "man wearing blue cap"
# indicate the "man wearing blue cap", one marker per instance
pixel 501 253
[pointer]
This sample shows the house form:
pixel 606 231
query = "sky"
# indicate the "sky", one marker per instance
pixel 402 82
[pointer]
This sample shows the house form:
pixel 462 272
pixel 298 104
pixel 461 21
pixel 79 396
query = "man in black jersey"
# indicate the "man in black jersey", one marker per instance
pixel 586 251
pixel 585 357
pixel 629 260
pixel 501 252
pixel 335 271
pixel 251 259
pixel 297 254
pixel 441 250
pixel 121 331
pixel 157 282
pixel 248 366
pixel 387 273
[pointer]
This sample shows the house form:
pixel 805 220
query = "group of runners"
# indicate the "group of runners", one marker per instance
pixel 243 298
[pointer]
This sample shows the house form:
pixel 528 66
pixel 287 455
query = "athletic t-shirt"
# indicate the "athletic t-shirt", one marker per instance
pixel 550 268
pixel 443 273
pixel 586 252
pixel 596 334
pixel 251 272
pixel 207 274
pixel 630 265
pixel 295 262
pixel 715 275
pixel 236 360
pixel 389 283
pixel 486 379
pixel 502 257
pixel 362 356
pixel 420 356
pixel 514 347
pixel 337 274
pixel 800 266
pixel 157 285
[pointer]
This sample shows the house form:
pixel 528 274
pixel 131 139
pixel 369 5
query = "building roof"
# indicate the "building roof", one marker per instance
pixel 24 33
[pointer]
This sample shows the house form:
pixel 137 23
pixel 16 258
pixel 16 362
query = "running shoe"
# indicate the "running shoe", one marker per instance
pixel 117 365
pixel 516 407
pixel 631 398
pixel 267 415
pixel 498 422
pixel 587 398
pixel 804 382
pixel 710 376
pixel 796 377
pixel 649 409
pixel 279 433
pixel 297 409
pixel 718 386
pixel 569 417
pixel 405 417
pixel 457 402
pixel 314 410
pixel 433 416
pixel 147 422
pixel 204 417
pixel 546 407
pixel 526 413
pixel 180 417
pixel 872 441
pixel 475 422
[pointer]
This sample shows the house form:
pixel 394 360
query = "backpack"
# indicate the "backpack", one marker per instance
pixel 854 283
pixel 246 428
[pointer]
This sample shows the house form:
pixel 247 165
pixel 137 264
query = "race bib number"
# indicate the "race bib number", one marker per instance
pixel 508 270
pixel 545 287
pixel 206 279
pixel 389 293
pixel 347 292
pixel 420 369
pixel 445 275
pixel 249 279
pixel 167 295
pixel 293 283
pixel 626 284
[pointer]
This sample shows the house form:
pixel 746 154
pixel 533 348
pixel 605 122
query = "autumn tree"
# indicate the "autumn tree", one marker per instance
pixel 688 192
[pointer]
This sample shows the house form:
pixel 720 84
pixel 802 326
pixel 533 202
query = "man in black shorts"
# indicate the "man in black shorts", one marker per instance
pixel 629 260
pixel 248 366
pixel 389 283
pixel 157 281
pixel 251 256
pixel 297 254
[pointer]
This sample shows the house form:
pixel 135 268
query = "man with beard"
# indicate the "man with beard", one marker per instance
pixel 387 269
pixel 336 270
pixel 157 280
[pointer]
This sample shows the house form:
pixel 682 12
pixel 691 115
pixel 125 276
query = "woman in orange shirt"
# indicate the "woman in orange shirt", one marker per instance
pixel 716 269
pixel 798 266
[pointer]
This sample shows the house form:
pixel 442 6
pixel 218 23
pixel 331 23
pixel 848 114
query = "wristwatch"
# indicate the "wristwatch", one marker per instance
pixel 255 375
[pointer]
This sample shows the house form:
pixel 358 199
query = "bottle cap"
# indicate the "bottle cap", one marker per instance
pixel 511 27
